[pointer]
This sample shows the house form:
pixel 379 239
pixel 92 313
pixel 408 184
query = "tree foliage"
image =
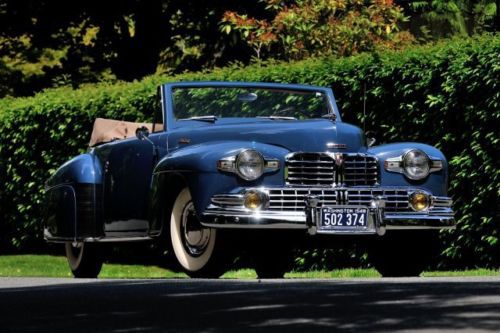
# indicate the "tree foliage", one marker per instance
pixel 431 19
pixel 52 43
pixel 307 28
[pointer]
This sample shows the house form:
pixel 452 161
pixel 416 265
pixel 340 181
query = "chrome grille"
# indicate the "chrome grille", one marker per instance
pixel 294 199
pixel 360 170
pixel 320 169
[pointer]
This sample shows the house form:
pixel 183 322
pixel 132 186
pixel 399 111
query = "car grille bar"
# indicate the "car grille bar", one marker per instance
pixel 293 199
pixel 331 169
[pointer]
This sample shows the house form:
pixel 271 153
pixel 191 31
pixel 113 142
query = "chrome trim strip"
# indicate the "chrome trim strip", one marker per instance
pixel 397 222
pixel 255 215
pixel 229 200
pixel 99 239
pixel 267 220
pixel 116 239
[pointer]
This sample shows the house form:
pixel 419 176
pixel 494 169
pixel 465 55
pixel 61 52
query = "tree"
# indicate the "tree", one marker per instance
pixel 432 19
pixel 46 43
pixel 303 28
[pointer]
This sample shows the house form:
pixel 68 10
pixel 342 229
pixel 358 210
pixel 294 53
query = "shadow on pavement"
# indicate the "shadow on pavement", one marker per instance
pixel 236 306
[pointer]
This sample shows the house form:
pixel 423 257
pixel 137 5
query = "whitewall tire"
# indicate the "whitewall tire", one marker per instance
pixel 196 248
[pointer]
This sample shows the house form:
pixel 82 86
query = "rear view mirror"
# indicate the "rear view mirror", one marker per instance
pixel 142 132
pixel 248 97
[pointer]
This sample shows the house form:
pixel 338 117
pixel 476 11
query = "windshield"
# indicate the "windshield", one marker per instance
pixel 203 103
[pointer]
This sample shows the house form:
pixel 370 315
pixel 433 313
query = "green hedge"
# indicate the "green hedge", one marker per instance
pixel 445 95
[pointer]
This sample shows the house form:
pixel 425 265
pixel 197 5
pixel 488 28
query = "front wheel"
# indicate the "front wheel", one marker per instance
pixel 198 250
pixel 404 253
pixel 84 259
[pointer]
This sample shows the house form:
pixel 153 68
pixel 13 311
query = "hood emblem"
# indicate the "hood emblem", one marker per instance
pixel 336 145
pixel 184 140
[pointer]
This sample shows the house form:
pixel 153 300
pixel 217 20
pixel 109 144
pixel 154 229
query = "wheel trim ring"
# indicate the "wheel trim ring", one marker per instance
pixel 188 262
pixel 74 254
pixel 195 249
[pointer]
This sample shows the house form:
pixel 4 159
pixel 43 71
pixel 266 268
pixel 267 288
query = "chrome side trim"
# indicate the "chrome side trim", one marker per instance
pixel 116 239
pixel 100 239
pixel 229 200
pixel 224 215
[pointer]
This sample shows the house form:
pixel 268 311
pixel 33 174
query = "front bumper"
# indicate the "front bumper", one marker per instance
pixel 299 208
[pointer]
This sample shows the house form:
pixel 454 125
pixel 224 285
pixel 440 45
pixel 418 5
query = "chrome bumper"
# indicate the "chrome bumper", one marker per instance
pixel 228 211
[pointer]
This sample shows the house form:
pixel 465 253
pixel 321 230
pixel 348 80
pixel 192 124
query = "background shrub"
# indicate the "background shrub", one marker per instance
pixel 446 95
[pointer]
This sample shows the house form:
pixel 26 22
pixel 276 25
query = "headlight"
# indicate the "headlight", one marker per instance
pixel 416 164
pixel 250 164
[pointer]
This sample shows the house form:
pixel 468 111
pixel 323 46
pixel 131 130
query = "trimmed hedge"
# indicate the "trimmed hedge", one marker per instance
pixel 445 95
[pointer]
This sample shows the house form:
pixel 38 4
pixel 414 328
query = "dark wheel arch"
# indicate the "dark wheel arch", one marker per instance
pixel 404 253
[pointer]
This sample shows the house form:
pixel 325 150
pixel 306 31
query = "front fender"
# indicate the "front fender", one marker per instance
pixel 197 164
pixel 436 182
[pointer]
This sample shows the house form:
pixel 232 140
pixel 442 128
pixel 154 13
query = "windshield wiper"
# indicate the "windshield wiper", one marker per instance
pixel 278 117
pixel 210 118
pixel 331 116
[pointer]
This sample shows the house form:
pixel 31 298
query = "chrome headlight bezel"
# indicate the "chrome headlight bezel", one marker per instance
pixel 256 167
pixel 423 167
pixel 234 164
pixel 400 164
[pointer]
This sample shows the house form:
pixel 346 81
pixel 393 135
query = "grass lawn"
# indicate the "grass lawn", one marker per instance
pixel 56 266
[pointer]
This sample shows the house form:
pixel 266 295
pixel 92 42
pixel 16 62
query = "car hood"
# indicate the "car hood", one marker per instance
pixel 304 135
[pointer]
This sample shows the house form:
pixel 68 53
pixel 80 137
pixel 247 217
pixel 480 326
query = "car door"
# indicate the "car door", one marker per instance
pixel 128 166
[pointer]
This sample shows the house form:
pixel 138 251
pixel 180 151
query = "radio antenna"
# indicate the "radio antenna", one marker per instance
pixel 364 106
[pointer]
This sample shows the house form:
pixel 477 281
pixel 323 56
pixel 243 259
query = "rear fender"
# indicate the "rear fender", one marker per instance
pixel 73 200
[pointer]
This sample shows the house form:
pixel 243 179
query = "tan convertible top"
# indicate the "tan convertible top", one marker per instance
pixel 106 130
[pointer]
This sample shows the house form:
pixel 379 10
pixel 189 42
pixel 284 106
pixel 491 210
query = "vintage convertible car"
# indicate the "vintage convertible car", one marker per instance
pixel 218 161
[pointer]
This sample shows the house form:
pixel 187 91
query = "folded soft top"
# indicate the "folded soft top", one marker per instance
pixel 106 130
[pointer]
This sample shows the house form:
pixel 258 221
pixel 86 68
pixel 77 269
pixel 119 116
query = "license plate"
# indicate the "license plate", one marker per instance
pixel 343 218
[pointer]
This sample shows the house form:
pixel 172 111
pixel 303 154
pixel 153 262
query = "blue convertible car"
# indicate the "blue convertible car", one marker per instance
pixel 218 162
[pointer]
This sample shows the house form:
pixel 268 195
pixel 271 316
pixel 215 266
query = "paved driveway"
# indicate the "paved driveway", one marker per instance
pixel 355 305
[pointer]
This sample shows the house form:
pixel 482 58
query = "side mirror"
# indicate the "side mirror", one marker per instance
pixel 370 138
pixel 142 133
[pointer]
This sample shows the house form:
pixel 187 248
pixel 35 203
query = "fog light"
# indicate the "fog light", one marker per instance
pixel 254 200
pixel 419 201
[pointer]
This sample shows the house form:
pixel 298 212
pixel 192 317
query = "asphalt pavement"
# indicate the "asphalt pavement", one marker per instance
pixel 354 305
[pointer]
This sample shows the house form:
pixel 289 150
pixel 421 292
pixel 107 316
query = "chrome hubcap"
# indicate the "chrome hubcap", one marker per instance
pixel 195 237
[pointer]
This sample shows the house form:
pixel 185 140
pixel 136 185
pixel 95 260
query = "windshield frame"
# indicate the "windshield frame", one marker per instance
pixel 168 89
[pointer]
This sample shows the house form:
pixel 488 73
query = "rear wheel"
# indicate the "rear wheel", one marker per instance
pixel 84 259
pixel 404 253
pixel 198 250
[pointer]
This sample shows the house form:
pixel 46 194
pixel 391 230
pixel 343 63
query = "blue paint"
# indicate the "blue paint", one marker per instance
pixel 131 176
